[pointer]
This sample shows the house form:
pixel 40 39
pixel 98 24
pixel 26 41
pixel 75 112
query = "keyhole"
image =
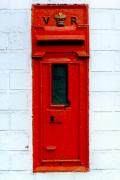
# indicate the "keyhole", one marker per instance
pixel 52 118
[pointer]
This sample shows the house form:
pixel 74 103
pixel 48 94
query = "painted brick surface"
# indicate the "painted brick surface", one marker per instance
pixel 20 120
pixel 102 19
pixel 105 81
pixel 17 41
pixel 13 101
pixel 22 4
pixel 105 61
pixel 4 161
pixel 13 140
pixel 4 121
pixel 105 160
pixel 102 101
pixel 14 60
pixel 105 121
pixel 105 140
pixel 4 80
pixel 3 41
pixel 16 91
pixel 20 80
pixel 116 20
pixel 18 21
pixel 4 4
pixel 108 40
pixel 21 161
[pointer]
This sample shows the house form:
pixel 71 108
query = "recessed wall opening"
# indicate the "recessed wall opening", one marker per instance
pixel 60 43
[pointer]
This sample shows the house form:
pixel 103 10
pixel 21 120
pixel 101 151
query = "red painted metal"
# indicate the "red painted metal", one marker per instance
pixel 64 144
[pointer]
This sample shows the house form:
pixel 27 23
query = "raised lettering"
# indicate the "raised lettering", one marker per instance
pixel 46 19
pixel 73 20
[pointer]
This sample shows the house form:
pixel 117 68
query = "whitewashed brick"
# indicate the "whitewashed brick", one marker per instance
pixel 21 161
pixel 25 4
pixel 105 81
pixel 18 100
pixel 117 102
pixel 4 101
pixel 117 62
pixel 13 140
pixel 15 175
pixel 93 174
pixel 14 21
pixel 60 2
pixel 105 140
pixel 13 101
pixel 114 4
pixel 117 20
pixel 21 121
pixel 105 101
pixel 105 61
pixel 105 160
pixel 3 41
pixel 4 120
pixel 101 19
pixel 17 41
pixel 4 19
pixel 40 1
pixel 20 80
pixel 105 121
pixel 54 176
pixel 22 4
pixel 20 22
pixel 4 161
pixel 4 80
pixel 98 175
pixel 102 101
pixel 4 4
pixel 13 60
pixel 105 40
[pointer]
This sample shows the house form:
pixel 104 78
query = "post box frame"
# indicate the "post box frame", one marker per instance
pixel 42 56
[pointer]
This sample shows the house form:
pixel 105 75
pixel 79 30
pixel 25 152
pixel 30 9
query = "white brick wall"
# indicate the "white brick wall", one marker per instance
pixel 18 19
pixel 106 61
pixel 20 80
pixel 4 121
pixel 20 120
pixel 15 91
pixel 14 60
pixel 106 160
pixel 105 121
pixel 4 4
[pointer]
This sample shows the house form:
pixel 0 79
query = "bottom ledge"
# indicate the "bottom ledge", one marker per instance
pixel 61 169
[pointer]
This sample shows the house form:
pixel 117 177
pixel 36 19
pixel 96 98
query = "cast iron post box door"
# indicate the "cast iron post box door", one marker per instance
pixel 61 112
pixel 60 51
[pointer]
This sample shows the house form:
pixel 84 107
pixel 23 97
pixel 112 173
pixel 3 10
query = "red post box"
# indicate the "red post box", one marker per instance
pixel 60 53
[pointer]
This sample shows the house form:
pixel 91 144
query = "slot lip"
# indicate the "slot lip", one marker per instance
pixel 61 37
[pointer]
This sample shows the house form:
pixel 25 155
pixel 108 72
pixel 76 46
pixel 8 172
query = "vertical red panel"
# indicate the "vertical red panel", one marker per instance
pixel 60 130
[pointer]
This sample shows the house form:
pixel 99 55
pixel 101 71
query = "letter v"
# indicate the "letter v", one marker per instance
pixel 46 19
